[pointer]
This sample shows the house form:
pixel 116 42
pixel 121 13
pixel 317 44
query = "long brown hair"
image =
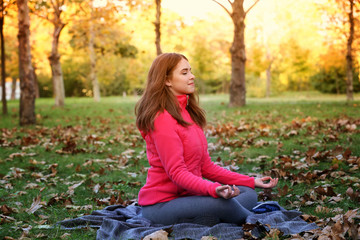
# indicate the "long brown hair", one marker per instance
pixel 158 97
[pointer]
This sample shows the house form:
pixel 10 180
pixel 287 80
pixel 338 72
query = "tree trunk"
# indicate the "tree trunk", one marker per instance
pixel 27 96
pixel 36 83
pixel 13 88
pixel 93 71
pixel 54 58
pixel 238 57
pixel 3 75
pixel 157 27
pixel 268 80
pixel 349 58
pixel 269 61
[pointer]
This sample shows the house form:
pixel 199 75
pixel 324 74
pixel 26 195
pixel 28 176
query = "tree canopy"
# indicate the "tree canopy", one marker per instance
pixel 296 38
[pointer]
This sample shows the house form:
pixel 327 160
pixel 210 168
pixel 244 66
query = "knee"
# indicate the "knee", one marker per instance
pixel 248 197
pixel 247 190
pixel 252 194
pixel 232 211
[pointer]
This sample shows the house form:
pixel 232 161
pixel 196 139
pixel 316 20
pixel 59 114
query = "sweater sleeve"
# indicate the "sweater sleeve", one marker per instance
pixel 214 172
pixel 170 149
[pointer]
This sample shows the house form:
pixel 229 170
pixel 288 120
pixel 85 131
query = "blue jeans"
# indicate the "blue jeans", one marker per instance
pixel 203 209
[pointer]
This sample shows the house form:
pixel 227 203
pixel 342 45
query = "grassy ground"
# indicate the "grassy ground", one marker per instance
pixel 88 155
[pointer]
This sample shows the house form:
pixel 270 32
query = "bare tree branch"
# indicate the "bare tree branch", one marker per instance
pixel 53 4
pixel 6 5
pixel 56 6
pixel 42 17
pixel 252 6
pixel 84 10
pixel 224 7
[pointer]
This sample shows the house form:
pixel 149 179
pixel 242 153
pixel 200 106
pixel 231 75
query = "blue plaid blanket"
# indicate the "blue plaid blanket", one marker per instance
pixel 119 222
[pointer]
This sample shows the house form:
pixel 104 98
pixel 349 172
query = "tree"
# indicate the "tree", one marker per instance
pixel 238 57
pixel 157 27
pixel 53 14
pixel 270 60
pixel 92 54
pixel 90 31
pixel 2 42
pixel 12 59
pixel 349 54
pixel 27 97
pixel 345 24
pixel 3 82
pixel 330 75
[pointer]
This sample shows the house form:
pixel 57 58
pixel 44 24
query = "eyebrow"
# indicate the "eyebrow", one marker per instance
pixel 186 69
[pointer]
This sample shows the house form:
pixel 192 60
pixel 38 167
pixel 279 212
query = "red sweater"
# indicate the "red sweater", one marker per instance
pixel 179 162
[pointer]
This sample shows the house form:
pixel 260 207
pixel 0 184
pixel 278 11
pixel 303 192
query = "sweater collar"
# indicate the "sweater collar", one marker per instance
pixel 183 100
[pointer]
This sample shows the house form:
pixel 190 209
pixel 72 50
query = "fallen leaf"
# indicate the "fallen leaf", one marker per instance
pixel 209 238
pixel 6 218
pixel 6 210
pixel 309 218
pixel 335 199
pixel 158 235
pixel 337 229
pixel 31 186
pixel 35 205
pixel 70 165
pixel 65 235
pixel 72 188
pixel 9 238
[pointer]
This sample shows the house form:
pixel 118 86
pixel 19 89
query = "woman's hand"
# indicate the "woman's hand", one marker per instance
pixel 266 182
pixel 227 192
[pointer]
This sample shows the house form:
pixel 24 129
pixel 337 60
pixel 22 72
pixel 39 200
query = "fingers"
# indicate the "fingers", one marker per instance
pixel 260 182
pixel 273 182
pixel 265 178
pixel 227 192
pixel 223 191
pixel 236 191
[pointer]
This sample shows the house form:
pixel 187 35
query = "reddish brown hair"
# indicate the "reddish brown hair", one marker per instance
pixel 158 97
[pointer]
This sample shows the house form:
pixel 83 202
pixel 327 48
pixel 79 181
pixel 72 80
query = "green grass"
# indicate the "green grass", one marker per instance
pixel 91 143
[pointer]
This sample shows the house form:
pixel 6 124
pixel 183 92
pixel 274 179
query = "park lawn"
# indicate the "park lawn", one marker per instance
pixel 89 155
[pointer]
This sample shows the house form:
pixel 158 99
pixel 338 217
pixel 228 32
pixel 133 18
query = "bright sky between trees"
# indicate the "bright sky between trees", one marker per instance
pixel 193 8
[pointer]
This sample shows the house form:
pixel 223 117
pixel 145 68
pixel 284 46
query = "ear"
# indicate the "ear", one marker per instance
pixel 168 83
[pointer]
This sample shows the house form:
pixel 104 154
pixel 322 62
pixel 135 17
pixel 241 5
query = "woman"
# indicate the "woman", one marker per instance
pixel 183 184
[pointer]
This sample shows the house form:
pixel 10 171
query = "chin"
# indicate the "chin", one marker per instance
pixel 191 91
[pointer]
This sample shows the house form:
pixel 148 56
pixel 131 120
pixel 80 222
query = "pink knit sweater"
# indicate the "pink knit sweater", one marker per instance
pixel 180 162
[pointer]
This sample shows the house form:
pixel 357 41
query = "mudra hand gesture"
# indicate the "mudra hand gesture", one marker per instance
pixel 227 192
pixel 266 182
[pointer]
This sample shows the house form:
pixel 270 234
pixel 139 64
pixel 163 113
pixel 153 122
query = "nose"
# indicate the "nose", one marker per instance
pixel 192 76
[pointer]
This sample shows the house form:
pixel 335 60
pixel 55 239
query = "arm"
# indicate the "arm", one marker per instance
pixel 214 172
pixel 170 150
pixel 217 173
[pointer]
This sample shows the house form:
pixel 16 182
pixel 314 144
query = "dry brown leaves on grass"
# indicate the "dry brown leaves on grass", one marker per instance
pixel 300 167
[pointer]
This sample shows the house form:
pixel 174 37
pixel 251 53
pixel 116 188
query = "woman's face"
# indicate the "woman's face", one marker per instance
pixel 182 80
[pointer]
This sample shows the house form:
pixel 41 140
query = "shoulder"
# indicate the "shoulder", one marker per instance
pixel 164 120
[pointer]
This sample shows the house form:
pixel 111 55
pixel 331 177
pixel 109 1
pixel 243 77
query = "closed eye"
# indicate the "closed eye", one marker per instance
pixel 186 71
